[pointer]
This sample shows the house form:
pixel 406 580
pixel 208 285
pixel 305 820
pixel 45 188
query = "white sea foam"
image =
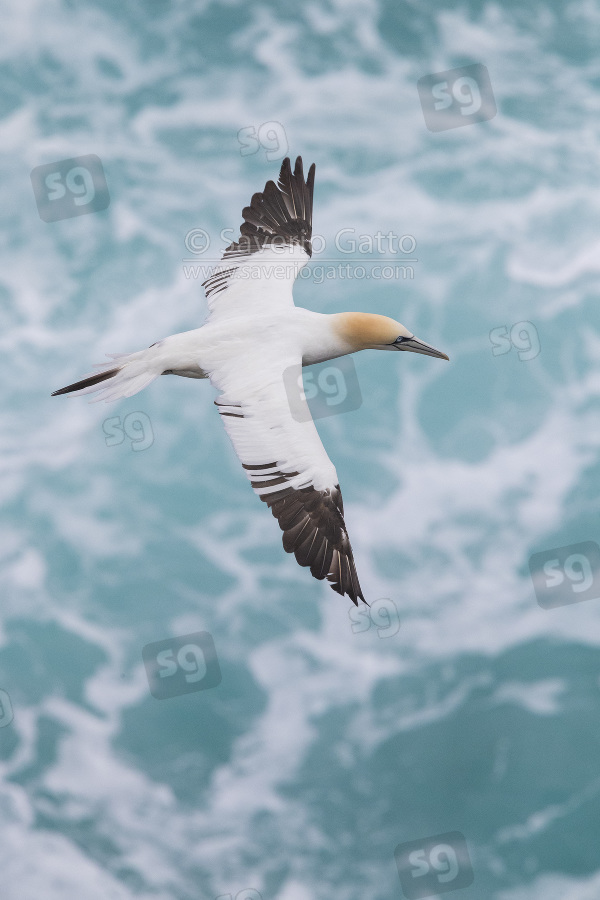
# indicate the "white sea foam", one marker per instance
pixel 505 223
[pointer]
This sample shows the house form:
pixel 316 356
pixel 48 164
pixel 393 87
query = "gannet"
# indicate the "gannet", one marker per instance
pixel 252 336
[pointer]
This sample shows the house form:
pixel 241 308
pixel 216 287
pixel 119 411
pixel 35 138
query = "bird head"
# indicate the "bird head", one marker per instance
pixel 367 331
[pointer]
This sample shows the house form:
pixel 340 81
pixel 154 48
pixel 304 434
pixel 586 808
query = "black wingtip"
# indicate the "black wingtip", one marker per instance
pixel 286 174
pixel 280 214
pixel 87 382
pixel 286 166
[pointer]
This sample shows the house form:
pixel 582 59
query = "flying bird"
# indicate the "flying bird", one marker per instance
pixel 253 337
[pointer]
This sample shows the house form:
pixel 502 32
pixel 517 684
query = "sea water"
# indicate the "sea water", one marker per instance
pixel 459 719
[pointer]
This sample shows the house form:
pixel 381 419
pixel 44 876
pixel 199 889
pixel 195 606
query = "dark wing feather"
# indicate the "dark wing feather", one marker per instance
pixel 281 214
pixel 314 531
pixel 299 485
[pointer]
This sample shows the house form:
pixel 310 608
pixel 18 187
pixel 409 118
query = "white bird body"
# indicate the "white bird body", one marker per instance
pixel 311 335
pixel 252 348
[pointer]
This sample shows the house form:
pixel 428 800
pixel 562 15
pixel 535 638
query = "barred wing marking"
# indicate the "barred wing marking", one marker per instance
pixel 276 233
pixel 290 471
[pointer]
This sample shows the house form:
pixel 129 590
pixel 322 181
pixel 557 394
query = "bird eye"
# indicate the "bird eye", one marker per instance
pixel 400 340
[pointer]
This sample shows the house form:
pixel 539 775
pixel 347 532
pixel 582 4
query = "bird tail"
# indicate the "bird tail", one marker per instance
pixel 125 375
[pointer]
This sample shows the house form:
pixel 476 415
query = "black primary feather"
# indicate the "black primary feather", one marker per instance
pixel 87 382
pixel 280 215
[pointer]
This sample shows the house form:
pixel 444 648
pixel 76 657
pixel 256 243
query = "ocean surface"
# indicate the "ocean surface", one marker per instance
pixel 465 707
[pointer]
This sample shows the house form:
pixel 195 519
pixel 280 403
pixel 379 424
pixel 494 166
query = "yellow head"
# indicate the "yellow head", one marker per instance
pixel 367 331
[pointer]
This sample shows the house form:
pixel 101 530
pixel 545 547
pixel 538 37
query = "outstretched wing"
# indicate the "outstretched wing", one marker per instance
pixel 274 244
pixel 281 452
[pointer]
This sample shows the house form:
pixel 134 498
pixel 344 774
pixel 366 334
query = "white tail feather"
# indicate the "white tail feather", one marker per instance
pixel 135 372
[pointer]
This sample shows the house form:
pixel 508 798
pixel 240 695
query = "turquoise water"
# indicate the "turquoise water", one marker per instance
pixel 463 705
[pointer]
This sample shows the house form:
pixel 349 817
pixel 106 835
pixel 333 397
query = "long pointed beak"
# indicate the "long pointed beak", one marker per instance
pixel 416 346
